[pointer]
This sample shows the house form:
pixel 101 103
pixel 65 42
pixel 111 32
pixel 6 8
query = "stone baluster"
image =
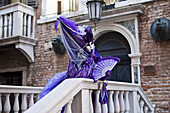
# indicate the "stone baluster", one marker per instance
pixel 141 106
pixel 146 109
pixel 122 104
pixel 7 107
pixel 29 26
pixel 24 102
pixel 31 101
pixel 74 5
pixel 10 25
pixel 110 102
pixel 70 5
pixel 97 105
pixel 90 101
pixel 127 106
pixel 5 26
pixel 68 107
pixel 59 111
pixel 33 27
pixel 117 106
pixel 38 95
pixel 16 103
pixel 0 104
pixel 25 25
pixel 1 26
pixel 104 108
pixel 138 98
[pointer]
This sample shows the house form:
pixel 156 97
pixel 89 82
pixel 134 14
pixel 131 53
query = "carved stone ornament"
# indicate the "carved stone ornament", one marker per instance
pixel 160 29
pixel 58 45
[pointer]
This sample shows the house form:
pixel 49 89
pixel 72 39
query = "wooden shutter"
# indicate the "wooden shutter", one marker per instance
pixel 32 3
pixel 59 7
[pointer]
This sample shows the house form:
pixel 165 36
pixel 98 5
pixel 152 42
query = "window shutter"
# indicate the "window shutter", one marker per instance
pixel 59 7
pixel 32 3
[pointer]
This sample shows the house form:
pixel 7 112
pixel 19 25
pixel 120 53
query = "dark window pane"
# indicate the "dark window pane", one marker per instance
pixel 11 78
pixel 114 44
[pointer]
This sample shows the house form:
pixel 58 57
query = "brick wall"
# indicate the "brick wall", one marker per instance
pixel 156 86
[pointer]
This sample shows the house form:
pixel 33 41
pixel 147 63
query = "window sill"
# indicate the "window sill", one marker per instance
pixel 45 19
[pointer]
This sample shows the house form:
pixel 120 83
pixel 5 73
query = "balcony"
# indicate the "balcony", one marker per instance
pixel 80 95
pixel 76 97
pixel 17 27
pixel 14 98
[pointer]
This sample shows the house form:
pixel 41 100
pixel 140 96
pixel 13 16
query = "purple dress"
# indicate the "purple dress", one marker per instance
pixel 79 67
pixel 77 41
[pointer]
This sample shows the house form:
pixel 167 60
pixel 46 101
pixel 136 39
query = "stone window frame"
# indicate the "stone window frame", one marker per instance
pixel 133 41
pixel 82 10
pixel 24 73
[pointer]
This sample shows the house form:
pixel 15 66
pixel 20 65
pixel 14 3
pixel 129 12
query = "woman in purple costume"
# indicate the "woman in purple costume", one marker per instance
pixel 79 43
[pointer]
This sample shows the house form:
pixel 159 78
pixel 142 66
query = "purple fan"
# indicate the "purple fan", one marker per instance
pixel 104 67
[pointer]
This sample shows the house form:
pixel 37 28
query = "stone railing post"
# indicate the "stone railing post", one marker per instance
pixel 17 23
pixel 68 106
pixel 25 24
pixel 127 106
pixel 24 102
pixel 141 106
pixel 110 102
pixel 117 106
pixel 31 101
pixel 0 104
pixel 146 109
pixel 10 25
pixel 16 103
pixel 90 102
pixel 7 106
pixel 138 107
pixel 122 104
pixel 1 26
pixel 5 26
pixel 97 105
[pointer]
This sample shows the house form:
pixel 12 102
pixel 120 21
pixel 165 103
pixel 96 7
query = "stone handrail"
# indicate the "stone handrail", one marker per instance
pixel 17 19
pixel 10 95
pixel 76 95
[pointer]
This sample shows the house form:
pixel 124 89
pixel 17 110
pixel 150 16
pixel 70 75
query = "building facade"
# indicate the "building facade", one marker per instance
pixel 26 57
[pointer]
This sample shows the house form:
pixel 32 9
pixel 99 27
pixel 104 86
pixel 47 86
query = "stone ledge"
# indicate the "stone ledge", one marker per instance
pixel 113 13
pixel 82 17
pixel 24 44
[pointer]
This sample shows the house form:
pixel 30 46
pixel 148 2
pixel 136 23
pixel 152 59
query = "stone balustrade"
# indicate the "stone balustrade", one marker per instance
pixel 17 20
pixel 17 28
pixel 17 98
pixel 82 96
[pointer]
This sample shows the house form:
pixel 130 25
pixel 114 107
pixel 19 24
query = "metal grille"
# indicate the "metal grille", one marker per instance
pixel 11 78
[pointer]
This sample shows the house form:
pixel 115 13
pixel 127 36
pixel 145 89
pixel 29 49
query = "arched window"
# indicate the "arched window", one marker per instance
pixel 115 44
